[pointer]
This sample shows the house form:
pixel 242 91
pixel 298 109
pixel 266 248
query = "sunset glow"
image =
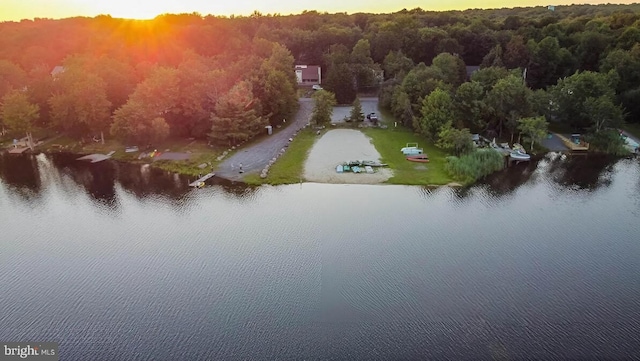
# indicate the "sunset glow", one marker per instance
pixel 137 9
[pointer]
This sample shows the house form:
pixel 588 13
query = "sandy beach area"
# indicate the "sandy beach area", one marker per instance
pixel 338 146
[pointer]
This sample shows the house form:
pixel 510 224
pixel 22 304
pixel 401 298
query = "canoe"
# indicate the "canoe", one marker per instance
pixel 373 163
pixel 339 169
pixel 420 158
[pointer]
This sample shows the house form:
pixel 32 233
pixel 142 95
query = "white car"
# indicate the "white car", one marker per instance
pixel 316 87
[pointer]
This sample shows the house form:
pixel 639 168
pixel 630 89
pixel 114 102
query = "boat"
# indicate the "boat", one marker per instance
pixel 413 151
pixel 372 163
pixel 409 147
pixel 355 169
pixel 519 155
pixel 420 158
pixel 368 169
pixel 339 168
pixel 131 149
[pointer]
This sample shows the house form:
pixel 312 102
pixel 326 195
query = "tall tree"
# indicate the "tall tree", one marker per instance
pixel 509 99
pixel 18 114
pixel 437 112
pixel 396 65
pixel 470 107
pixel 79 103
pixel 452 68
pixel 324 101
pixel 235 120
pixel 534 128
pixel 356 114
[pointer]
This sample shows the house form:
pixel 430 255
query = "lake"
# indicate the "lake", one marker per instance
pixel 122 262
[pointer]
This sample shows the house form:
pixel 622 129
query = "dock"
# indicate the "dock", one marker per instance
pixel 95 158
pixel 583 146
pixel 202 179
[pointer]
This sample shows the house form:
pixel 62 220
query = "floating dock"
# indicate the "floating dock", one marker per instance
pixel 202 179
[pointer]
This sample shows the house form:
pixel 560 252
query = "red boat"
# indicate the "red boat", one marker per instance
pixel 421 158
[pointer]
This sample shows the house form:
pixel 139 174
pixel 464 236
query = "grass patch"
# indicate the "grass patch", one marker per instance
pixel 288 168
pixel 388 143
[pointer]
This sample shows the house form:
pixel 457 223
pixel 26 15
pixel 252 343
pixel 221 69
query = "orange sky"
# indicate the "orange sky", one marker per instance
pixel 146 9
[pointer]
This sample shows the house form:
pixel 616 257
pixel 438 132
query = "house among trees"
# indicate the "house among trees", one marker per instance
pixel 59 69
pixel 308 74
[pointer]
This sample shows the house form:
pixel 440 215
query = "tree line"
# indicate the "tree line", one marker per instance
pixel 224 78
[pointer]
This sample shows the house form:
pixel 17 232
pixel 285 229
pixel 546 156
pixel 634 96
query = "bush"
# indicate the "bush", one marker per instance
pixel 475 165
pixel 607 141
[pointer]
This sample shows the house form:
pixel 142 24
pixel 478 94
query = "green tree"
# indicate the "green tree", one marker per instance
pixel 488 77
pixel 18 114
pixel 159 129
pixel 603 113
pixel 516 54
pixel 456 141
pixel 235 120
pixel 79 103
pixel 341 82
pixel 574 94
pixel 396 65
pixel 452 68
pixel 324 101
pixel 156 96
pixel 509 99
pixel 534 128
pixel 470 107
pixel 356 114
pixel 11 77
pixel 437 112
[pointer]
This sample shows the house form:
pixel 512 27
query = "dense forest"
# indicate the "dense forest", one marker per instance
pixel 224 78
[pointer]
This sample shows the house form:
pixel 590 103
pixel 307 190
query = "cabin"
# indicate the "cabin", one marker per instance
pixel 308 74
pixel 59 69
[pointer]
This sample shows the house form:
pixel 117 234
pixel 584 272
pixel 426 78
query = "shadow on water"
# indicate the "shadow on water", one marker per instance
pixel 587 172
pixel 101 180
pixel 20 172
pixel 582 172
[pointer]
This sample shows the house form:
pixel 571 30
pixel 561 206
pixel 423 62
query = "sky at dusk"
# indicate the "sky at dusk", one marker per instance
pixel 146 9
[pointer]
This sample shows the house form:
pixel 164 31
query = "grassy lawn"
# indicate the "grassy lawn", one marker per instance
pixel 288 168
pixel 388 143
pixel 199 150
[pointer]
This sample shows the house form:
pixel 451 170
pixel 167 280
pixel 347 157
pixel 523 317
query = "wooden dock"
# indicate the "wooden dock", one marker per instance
pixel 583 146
pixel 202 179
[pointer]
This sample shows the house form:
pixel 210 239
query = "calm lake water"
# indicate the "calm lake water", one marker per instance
pixel 121 262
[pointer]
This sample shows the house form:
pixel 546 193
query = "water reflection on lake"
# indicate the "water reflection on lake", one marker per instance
pixel 124 262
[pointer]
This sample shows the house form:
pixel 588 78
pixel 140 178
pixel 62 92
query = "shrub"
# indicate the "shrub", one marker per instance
pixel 475 165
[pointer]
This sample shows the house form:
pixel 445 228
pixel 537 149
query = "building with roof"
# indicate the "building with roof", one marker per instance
pixel 308 74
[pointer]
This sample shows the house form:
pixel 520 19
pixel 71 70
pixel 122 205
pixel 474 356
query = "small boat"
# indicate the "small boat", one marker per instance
pixel 355 169
pixel 131 149
pixel 368 169
pixel 413 151
pixel 373 163
pixel 409 147
pixel 519 155
pixel 420 158
pixel 339 168
pixel 346 168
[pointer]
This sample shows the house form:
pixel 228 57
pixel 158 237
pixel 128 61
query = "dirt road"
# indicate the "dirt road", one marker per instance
pixel 255 157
